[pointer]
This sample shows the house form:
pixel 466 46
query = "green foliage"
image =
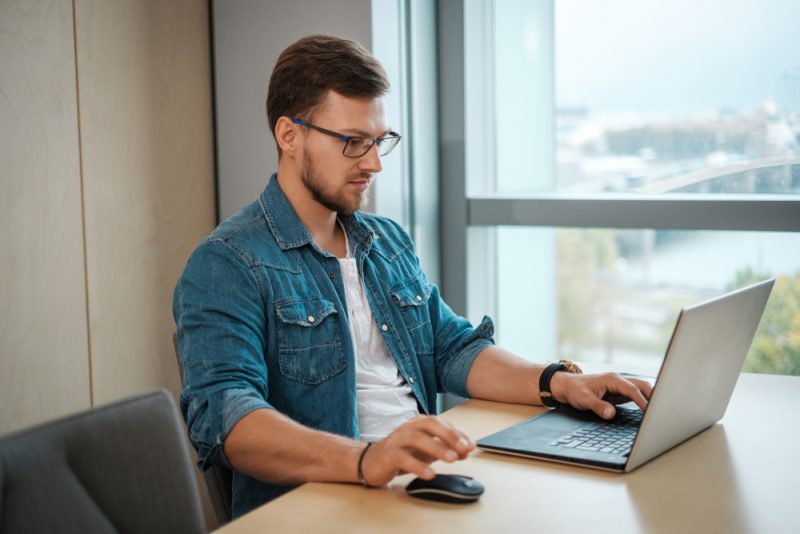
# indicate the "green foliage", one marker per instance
pixel 584 255
pixel 776 347
pixel 587 260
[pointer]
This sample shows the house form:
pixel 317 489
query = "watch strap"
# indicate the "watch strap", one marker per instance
pixel 545 394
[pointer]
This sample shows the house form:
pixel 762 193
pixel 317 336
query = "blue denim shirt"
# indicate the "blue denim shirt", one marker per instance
pixel 262 323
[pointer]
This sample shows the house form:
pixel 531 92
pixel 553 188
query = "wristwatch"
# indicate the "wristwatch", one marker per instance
pixel 544 380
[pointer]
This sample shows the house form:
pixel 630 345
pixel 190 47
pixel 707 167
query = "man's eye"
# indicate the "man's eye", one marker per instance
pixel 360 142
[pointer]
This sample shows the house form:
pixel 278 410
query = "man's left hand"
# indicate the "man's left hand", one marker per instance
pixel 593 391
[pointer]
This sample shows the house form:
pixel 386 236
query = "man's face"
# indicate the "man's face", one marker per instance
pixel 337 182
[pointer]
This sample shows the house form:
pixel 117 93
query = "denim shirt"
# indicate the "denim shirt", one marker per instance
pixel 262 323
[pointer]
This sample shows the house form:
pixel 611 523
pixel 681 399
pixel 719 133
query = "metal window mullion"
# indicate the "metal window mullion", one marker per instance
pixel 404 46
pixel 763 213
pixel 453 193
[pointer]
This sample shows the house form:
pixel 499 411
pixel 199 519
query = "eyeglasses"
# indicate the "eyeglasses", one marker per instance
pixel 355 147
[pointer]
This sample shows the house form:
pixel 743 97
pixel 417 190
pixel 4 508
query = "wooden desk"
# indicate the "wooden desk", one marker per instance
pixel 741 475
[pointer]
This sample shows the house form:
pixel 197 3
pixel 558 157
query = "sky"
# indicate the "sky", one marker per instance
pixel 676 55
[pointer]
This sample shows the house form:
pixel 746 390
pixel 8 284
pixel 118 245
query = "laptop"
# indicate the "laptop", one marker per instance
pixel 703 360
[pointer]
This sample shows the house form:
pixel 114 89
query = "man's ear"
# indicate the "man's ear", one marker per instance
pixel 288 137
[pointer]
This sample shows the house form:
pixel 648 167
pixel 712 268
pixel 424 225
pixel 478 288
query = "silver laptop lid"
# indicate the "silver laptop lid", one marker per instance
pixel 704 357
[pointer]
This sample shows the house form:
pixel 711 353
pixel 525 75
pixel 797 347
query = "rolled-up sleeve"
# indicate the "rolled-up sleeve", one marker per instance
pixel 219 313
pixel 457 344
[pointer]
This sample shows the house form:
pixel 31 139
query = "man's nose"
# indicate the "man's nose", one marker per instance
pixel 371 161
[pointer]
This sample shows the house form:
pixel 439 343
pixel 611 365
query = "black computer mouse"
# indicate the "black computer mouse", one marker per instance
pixel 446 488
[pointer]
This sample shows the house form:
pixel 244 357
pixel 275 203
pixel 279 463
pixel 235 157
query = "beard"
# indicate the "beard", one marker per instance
pixel 339 203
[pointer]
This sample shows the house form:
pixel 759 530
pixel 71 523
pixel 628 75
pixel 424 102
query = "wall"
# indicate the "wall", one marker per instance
pixel 44 363
pixel 107 186
pixel 145 106
pixel 248 37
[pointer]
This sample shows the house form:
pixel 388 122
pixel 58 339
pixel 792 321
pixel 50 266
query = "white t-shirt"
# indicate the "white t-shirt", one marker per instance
pixel 385 400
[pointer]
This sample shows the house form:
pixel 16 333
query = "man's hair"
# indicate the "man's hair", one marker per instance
pixel 316 64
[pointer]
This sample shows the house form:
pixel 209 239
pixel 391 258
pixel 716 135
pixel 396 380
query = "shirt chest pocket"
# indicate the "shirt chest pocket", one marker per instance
pixel 309 342
pixel 412 297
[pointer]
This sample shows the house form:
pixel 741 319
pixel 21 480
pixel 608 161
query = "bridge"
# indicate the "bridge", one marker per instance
pixel 683 181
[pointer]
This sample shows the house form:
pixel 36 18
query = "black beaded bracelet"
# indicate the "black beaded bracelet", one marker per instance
pixel 361 467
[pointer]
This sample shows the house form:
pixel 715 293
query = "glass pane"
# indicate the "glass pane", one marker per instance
pixel 581 97
pixel 509 113
pixel 607 295
pixel 671 96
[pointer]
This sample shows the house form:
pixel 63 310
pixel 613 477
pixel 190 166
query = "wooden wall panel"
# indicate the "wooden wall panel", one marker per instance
pixel 44 363
pixel 145 93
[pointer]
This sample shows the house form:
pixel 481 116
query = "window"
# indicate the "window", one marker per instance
pixel 622 159
pixel 612 295
pixel 685 96
pixel 403 34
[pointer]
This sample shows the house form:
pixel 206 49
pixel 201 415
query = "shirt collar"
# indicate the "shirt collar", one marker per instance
pixel 289 230
pixel 358 233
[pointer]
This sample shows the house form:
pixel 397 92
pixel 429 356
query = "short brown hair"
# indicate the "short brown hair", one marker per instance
pixel 315 64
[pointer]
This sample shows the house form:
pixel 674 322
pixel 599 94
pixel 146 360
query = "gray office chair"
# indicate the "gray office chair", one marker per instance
pixel 219 480
pixel 123 467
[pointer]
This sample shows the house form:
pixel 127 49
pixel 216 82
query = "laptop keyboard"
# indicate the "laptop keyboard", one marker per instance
pixel 613 437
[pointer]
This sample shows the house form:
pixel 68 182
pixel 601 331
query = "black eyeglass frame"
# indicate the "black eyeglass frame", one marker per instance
pixel 355 141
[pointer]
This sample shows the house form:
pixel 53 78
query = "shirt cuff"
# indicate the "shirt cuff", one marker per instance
pixel 236 403
pixel 456 376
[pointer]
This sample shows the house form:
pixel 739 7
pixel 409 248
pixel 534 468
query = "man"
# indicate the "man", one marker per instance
pixel 307 327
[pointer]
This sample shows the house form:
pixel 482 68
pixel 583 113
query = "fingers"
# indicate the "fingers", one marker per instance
pixel 620 390
pixel 602 408
pixel 637 392
pixel 644 386
pixel 599 393
pixel 412 447
pixel 427 448
pixel 447 435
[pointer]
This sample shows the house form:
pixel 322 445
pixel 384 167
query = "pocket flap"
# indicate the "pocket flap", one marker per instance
pixel 305 312
pixel 412 292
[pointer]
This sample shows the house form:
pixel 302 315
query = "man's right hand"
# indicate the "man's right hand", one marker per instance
pixel 412 447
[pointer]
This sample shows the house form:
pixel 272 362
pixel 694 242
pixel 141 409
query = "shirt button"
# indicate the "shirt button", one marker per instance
pixel 384 327
pixel 332 276
pixel 410 379
pixel 419 298
pixel 311 319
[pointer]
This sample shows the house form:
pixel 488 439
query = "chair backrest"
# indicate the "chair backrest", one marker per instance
pixel 219 480
pixel 124 467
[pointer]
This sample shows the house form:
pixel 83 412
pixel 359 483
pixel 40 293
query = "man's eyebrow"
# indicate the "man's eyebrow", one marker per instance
pixel 355 132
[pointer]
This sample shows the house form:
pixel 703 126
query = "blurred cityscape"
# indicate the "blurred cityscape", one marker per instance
pixel 620 290
pixel 728 151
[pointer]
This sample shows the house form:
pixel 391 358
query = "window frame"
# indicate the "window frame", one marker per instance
pixel 460 212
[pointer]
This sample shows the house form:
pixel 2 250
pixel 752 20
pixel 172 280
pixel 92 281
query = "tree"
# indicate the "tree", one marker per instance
pixel 776 347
